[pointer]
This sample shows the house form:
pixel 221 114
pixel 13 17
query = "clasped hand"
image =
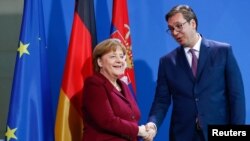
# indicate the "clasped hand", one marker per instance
pixel 148 131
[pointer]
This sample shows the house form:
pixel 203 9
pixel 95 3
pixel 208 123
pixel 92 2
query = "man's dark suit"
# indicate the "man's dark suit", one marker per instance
pixel 216 96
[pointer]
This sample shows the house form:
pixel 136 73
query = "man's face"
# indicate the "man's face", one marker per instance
pixel 183 31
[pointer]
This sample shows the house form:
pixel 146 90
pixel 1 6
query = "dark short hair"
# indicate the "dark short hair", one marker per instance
pixel 185 10
pixel 105 47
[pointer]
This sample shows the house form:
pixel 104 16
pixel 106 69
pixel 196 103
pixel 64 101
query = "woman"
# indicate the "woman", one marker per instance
pixel 110 111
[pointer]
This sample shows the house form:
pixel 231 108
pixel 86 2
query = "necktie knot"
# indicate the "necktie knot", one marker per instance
pixel 192 51
pixel 194 62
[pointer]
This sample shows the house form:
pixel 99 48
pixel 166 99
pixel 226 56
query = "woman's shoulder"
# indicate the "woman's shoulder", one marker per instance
pixel 96 78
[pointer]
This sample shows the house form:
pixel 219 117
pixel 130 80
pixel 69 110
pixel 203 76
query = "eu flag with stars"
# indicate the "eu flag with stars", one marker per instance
pixel 30 115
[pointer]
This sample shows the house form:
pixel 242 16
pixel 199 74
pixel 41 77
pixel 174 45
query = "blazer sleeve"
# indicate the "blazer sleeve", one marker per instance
pixel 235 89
pixel 162 99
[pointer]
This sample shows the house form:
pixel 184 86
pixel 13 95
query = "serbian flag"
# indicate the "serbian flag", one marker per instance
pixel 120 29
pixel 30 115
pixel 69 125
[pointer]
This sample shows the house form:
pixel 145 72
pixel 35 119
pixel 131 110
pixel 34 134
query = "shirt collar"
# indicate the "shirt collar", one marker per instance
pixel 196 47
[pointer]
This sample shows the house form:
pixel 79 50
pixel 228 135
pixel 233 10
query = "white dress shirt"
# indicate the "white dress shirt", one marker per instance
pixel 196 48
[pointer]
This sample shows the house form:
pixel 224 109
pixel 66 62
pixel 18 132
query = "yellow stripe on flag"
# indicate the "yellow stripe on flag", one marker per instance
pixel 67 120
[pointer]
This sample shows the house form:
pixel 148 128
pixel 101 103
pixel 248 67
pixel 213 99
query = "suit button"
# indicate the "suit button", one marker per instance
pixel 196 99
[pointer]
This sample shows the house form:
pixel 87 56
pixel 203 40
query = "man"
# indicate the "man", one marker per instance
pixel 204 84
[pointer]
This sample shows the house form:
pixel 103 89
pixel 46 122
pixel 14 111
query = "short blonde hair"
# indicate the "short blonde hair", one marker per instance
pixel 105 47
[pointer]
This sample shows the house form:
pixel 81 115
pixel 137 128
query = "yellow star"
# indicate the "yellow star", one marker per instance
pixel 23 49
pixel 10 133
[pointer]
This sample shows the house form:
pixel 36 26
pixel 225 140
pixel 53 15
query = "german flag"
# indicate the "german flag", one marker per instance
pixel 69 125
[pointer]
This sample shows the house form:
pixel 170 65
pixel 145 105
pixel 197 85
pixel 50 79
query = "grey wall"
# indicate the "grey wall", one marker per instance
pixel 10 21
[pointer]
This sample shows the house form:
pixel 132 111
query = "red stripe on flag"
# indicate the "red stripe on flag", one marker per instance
pixel 121 31
pixel 79 61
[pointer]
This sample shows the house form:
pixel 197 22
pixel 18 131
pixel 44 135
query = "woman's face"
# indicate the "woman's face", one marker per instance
pixel 112 64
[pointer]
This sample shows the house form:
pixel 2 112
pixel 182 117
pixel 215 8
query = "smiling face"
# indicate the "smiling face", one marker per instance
pixel 112 64
pixel 109 58
pixel 183 31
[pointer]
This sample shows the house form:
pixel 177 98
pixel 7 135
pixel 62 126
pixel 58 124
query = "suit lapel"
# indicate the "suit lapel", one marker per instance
pixel 203 57
pixel 112 89
pixel 184 63
pixel 204 54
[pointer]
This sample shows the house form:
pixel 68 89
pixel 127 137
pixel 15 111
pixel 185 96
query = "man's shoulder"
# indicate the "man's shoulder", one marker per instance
pixel 214 43
pixel 173 53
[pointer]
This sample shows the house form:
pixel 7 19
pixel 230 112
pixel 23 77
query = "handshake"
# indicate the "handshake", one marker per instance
pixel 148 131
